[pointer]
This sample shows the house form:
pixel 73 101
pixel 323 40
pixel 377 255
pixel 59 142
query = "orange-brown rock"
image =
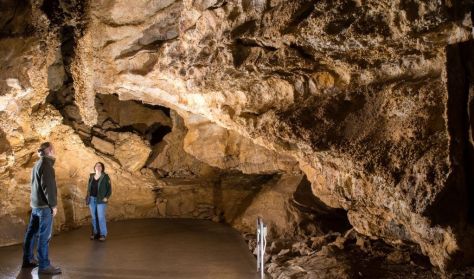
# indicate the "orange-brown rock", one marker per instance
pixel 371 98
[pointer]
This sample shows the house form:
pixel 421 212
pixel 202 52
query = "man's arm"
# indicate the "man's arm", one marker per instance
pixel 48 185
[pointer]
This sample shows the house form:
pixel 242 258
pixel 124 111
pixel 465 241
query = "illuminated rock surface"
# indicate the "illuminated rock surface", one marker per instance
pixel 202 108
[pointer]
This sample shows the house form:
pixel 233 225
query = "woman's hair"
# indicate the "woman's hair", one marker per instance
pixel 43 147
pixel 102 164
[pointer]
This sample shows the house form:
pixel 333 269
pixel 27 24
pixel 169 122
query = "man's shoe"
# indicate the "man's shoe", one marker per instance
pixel 102 238
pixel 50 270
pixel 31 264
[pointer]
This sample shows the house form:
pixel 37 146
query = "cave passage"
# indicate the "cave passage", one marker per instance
pixel 456 203
pixel 146 248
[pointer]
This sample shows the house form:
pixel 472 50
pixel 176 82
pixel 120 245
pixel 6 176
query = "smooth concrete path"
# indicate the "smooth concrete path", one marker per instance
pixel 148 248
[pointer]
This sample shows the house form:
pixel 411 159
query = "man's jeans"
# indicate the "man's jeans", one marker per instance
pixel 41 223
pixel 98 216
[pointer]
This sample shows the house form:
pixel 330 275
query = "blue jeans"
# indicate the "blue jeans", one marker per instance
pixel 99 224
pixel 40 227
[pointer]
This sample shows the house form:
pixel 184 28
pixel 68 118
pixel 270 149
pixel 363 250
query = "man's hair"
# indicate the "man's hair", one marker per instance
pixel 43 147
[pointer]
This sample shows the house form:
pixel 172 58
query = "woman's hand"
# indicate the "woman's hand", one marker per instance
pixel 105 200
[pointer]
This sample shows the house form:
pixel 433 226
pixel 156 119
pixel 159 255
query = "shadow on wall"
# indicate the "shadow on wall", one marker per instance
pixel 326 219
pixel 455 206
pixel 4 144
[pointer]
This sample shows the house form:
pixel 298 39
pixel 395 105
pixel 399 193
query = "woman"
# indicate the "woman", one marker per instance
pixel 98 194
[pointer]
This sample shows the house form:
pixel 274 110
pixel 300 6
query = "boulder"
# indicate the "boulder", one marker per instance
pixel 103 146
pixel 131 151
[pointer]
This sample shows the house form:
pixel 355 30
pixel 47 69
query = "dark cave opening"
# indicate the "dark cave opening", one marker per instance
pixel 16 18
pixel 461 91
pixel 326 218
pixel 61 11
pixel 51 8
pixel 157 132
pixel 165 110
pixel 68 43
pixel 455 205
pixel 63 96
pixel 150 122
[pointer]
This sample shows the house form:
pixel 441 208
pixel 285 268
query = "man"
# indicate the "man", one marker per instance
pixel 43 204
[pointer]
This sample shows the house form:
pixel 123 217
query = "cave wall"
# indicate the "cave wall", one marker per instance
pixel 142 146
pixel 356 93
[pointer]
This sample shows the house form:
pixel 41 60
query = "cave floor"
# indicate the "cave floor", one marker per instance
pixel 147 248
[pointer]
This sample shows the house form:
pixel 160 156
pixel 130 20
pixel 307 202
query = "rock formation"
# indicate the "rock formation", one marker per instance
pixel 224 109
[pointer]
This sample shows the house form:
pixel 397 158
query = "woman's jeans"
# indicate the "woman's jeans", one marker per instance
pixel 40 227
pixel 98 216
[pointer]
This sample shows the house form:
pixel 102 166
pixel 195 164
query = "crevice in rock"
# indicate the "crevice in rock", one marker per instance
pixel 67 20
pixel 242 48
pixel 154 36
pixel 15 19
pixel 65 12
pixel 60 81
pixel 246 28
pixel 303 52
pixel 470 128
pixel 50 9
pixel 136 48
pixel 337 26
pixel 253 43
pixel 239 54
pixel 165 110
pixel 454 206
pixel 253 184
pixel 157 133
pixel 325 218
pixel 302 13
pixel 151 122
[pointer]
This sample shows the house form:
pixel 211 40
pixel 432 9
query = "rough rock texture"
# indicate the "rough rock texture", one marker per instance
pixel 226 149
pixel 273 204
pixel 356 91
pixel 345 255
pixel 373 99
pixel 37 103
pixel 169 158
pixel 131 151
pixel 221 200
pixel 131 113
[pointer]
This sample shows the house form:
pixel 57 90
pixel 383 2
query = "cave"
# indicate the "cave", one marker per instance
pixel 346 126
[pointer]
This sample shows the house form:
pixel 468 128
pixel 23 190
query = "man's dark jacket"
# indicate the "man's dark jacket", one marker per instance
pixel 43 184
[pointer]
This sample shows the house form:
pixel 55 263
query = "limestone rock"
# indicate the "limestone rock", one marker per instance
pixel 371 99
pixel 73 112
pixel 398 257
pixel 13 228
pixel 169 156
pixel 273 204
pixel 103 146
pixel 131 151
pixel 226 149
pixel 127 113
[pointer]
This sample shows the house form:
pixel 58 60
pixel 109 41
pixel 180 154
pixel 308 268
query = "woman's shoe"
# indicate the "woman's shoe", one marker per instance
pixel 102 238
pixel 92 237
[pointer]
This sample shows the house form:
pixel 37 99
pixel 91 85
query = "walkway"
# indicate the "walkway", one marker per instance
pixel 149 248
